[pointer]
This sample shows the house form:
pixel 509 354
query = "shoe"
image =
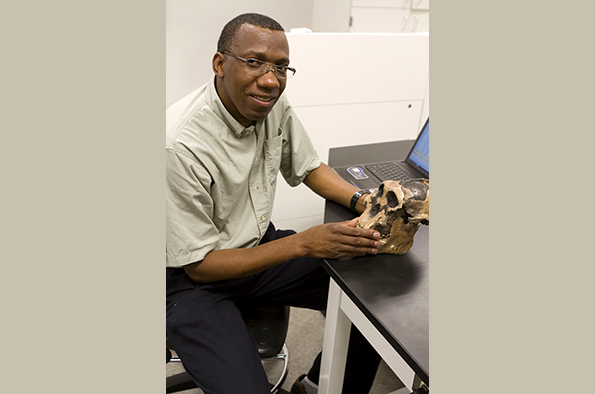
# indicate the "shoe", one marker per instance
pixel 298 387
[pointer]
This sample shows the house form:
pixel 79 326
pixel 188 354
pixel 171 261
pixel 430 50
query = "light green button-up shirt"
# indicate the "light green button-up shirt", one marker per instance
pixel 221 177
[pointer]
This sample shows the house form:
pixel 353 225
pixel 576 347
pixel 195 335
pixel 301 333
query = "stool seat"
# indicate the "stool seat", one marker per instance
pixel 268 325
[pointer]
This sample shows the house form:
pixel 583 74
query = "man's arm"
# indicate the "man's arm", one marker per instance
pixel 325 182
pixel 332 240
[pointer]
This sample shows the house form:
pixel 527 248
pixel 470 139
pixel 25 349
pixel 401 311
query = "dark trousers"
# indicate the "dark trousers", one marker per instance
pixel 205 326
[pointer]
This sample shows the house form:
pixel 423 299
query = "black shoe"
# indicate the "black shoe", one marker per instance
pixel 298 387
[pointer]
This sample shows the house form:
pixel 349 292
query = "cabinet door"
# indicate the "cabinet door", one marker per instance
pixel 382 3
pixel 420 4
pixel 379 20
pixel 418 21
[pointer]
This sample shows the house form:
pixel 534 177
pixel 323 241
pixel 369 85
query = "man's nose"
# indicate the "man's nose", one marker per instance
pixel 269 79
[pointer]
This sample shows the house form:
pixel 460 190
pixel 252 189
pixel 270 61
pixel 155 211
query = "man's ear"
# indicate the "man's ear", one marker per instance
pixel 218 61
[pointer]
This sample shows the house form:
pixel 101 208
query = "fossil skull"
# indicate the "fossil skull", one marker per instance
pixel 395 210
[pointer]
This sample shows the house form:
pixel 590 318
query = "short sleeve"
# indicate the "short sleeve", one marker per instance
pixel 190 231
pixel 299 156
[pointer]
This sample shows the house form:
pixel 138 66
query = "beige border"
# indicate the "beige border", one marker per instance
pixel 82 170
pixel 511 274
pixel 82 212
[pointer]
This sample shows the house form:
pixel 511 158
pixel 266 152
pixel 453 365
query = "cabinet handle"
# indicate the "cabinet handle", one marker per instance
pixel 415 19
pixel 404 28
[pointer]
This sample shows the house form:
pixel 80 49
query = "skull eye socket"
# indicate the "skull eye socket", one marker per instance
pixel 375 209
pixel 391 199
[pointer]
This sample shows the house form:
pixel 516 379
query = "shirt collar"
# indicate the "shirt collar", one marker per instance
pixel 219 109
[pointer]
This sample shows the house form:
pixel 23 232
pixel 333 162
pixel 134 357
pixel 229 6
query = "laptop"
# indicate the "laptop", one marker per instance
pixel 415 165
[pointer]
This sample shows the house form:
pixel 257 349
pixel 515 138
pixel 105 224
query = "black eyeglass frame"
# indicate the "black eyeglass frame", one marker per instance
pixel 276 68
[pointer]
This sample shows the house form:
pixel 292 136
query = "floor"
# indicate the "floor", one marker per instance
pixel 304 341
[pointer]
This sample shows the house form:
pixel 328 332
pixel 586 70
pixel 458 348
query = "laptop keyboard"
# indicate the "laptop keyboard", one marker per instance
pixel 388 171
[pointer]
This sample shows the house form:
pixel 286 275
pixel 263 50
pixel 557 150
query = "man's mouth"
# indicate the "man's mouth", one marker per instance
pixel 264 99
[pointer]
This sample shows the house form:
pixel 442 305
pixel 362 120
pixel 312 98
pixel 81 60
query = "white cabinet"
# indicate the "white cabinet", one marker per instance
pixel 418 20
pixel 389 16
pixel 357 103
pixel 382 3
pixel 420 5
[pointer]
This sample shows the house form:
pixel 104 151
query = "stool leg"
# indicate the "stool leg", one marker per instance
pixel 284 355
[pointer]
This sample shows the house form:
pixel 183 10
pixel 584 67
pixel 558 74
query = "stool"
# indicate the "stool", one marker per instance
pixel 268 325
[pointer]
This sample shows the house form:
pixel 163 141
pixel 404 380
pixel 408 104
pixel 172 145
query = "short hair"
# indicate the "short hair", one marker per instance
pixel 229 30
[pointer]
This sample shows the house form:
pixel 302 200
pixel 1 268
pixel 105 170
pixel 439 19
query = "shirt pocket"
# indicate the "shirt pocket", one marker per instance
pixel 272 157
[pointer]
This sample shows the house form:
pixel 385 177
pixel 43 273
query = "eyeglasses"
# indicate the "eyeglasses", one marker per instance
pixel 259 67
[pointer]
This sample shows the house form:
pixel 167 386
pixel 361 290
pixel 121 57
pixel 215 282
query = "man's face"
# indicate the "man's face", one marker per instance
pixel 247 97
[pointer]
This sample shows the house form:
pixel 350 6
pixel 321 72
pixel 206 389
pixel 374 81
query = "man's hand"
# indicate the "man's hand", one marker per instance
pixel 330 241
pixel 336 240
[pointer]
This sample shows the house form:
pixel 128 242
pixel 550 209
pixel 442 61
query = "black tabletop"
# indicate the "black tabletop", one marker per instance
pixel 391 290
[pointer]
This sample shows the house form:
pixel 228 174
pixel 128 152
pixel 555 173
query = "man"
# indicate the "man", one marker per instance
pixel 226 143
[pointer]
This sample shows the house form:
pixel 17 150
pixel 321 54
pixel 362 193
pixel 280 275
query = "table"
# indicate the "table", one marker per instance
pixel 385 296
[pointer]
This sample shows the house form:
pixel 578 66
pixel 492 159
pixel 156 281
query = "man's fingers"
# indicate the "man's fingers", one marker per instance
pixel 365 233
pixel 349 228
pixel 351 223
pixel 354 241
pixel 363 245
pixel 362 251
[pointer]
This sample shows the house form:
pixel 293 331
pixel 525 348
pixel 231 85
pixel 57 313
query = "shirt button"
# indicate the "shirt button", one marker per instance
pixel 263 218
pixel 255 187
pixel 255 159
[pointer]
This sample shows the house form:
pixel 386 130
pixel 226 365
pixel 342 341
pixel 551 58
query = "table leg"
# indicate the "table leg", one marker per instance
pixel 336 340
pixel 384 349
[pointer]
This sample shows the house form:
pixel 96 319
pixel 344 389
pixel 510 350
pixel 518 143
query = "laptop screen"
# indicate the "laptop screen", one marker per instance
pixel 419 156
